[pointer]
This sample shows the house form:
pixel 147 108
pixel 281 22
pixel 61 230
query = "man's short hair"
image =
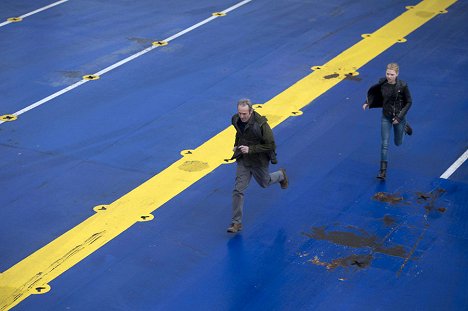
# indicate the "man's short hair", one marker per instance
pixel 245 102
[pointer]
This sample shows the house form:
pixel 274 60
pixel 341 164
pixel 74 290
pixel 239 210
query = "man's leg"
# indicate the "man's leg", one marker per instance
pixel 264 178
pixel 243 176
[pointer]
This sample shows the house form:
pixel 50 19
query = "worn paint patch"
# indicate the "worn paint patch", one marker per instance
pixel 71 74
pixel 193 166
pixel 424 14
pixel 141 41
pixel 36 284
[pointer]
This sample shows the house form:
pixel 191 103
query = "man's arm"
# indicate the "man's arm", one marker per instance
pixel 268 143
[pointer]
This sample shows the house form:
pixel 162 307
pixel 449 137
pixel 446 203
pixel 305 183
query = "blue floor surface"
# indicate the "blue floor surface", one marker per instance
pixel 328 242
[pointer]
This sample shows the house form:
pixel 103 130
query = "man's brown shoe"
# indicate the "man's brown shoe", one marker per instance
pixel 284 184
pixel 234 228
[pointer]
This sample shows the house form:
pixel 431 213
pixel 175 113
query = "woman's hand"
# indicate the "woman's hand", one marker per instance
pixel 365 106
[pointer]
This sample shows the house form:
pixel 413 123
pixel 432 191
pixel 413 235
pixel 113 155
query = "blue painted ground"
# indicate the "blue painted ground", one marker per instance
pixel 101 140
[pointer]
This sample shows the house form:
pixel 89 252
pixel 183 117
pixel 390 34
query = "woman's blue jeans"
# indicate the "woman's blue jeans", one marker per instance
pixel 398 132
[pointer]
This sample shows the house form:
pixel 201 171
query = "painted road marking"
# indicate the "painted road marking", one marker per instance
pixel 455 165
pixel 20 18
pixel 126 60
pixel 41 267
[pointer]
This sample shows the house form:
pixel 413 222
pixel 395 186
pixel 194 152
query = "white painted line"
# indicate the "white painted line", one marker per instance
pixel 43 9
pixel 132 57
pixel 183 32
pixel 50 97
pixel 4 23
pixel 123 61
pixel 36 11
pixel 455 166
pixel 232 8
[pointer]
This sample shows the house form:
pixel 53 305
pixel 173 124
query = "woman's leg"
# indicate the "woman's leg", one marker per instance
pixel 386 125
pixel 399 132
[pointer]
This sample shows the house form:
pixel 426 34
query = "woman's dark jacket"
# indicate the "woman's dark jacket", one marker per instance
pixel 258 136
pixel 399 103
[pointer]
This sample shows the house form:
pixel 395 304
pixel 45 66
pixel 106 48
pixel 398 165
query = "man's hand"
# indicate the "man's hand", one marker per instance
pixel 365 106
pixel 395 121
pixel 244 149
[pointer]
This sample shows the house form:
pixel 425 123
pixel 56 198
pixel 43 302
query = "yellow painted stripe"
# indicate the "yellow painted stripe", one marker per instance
pixel 32 275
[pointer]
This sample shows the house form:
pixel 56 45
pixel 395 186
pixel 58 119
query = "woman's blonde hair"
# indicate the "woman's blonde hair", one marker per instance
pixel 393 66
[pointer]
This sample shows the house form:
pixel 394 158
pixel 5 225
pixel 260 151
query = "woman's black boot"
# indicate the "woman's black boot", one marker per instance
pixel 383 170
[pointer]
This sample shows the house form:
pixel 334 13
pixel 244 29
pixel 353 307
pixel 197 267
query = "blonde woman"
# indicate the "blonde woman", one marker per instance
pixel 393 96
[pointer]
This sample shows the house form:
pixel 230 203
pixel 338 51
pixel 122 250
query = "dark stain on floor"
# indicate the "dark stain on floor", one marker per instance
pixel 429 200
pixel 354 237
pixel 388 221
pixel 352 78
pixel 331 76
pixel 355 240
pixel 359 261
pixel 387 198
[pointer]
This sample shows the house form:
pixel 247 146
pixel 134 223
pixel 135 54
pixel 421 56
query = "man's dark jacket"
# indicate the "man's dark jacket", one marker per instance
pixel 399 103
pixel 258 136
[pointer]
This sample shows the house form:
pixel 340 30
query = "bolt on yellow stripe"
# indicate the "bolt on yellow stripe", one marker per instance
pixel 32 275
